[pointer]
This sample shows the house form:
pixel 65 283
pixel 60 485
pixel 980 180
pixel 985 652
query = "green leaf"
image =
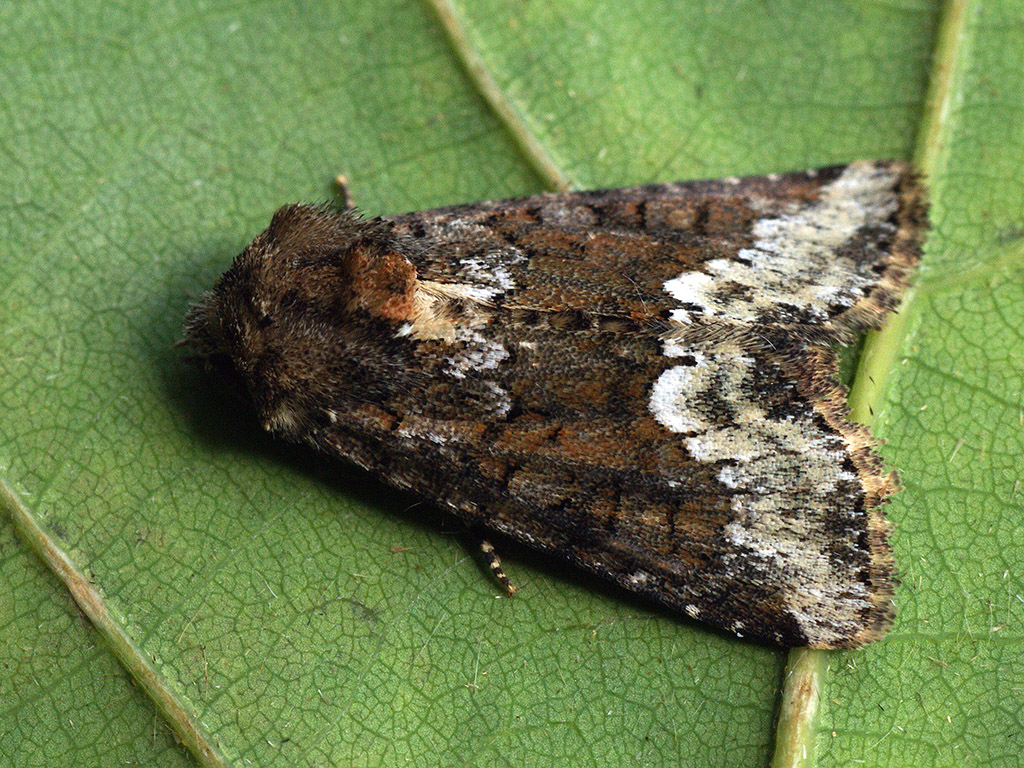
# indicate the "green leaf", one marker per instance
pixel 64 694
pixel 279 609
pixel 945 688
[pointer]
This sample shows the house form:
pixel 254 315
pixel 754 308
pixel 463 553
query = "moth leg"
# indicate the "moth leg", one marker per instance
pixel 495 564
pixel 346 197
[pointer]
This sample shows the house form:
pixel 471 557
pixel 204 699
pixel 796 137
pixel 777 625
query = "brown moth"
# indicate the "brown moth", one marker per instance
pixel 639 381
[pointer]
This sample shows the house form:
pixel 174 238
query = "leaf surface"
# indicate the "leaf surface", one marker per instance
pixel 945 687
pixel 282 610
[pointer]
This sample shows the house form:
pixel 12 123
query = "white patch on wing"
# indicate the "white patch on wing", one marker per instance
pixel 461 229
pixel 670 395
pixel 639 579
pixel 500 402
pixel 784 469
pixel 784 473
pixel 479 354
pixel 727 477
pixel 794 254
pixel 415 429
pixel 482 280
pixel 486 278
pixel 493 274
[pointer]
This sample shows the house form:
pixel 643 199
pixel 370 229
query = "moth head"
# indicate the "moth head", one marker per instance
pixel 300 306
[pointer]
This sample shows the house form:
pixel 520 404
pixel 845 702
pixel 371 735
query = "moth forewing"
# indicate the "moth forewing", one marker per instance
pixel 639 381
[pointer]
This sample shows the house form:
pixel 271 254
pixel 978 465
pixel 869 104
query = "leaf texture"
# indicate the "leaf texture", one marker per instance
pixel 296 613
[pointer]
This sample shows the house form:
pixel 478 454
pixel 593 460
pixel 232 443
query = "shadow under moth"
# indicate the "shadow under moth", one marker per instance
pixel 639 381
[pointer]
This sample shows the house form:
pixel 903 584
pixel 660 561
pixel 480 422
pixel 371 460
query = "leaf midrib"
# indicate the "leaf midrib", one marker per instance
pixel 90 599
pixel 796 734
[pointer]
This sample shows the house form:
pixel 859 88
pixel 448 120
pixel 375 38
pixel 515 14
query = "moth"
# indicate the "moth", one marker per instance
pixel 640 381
